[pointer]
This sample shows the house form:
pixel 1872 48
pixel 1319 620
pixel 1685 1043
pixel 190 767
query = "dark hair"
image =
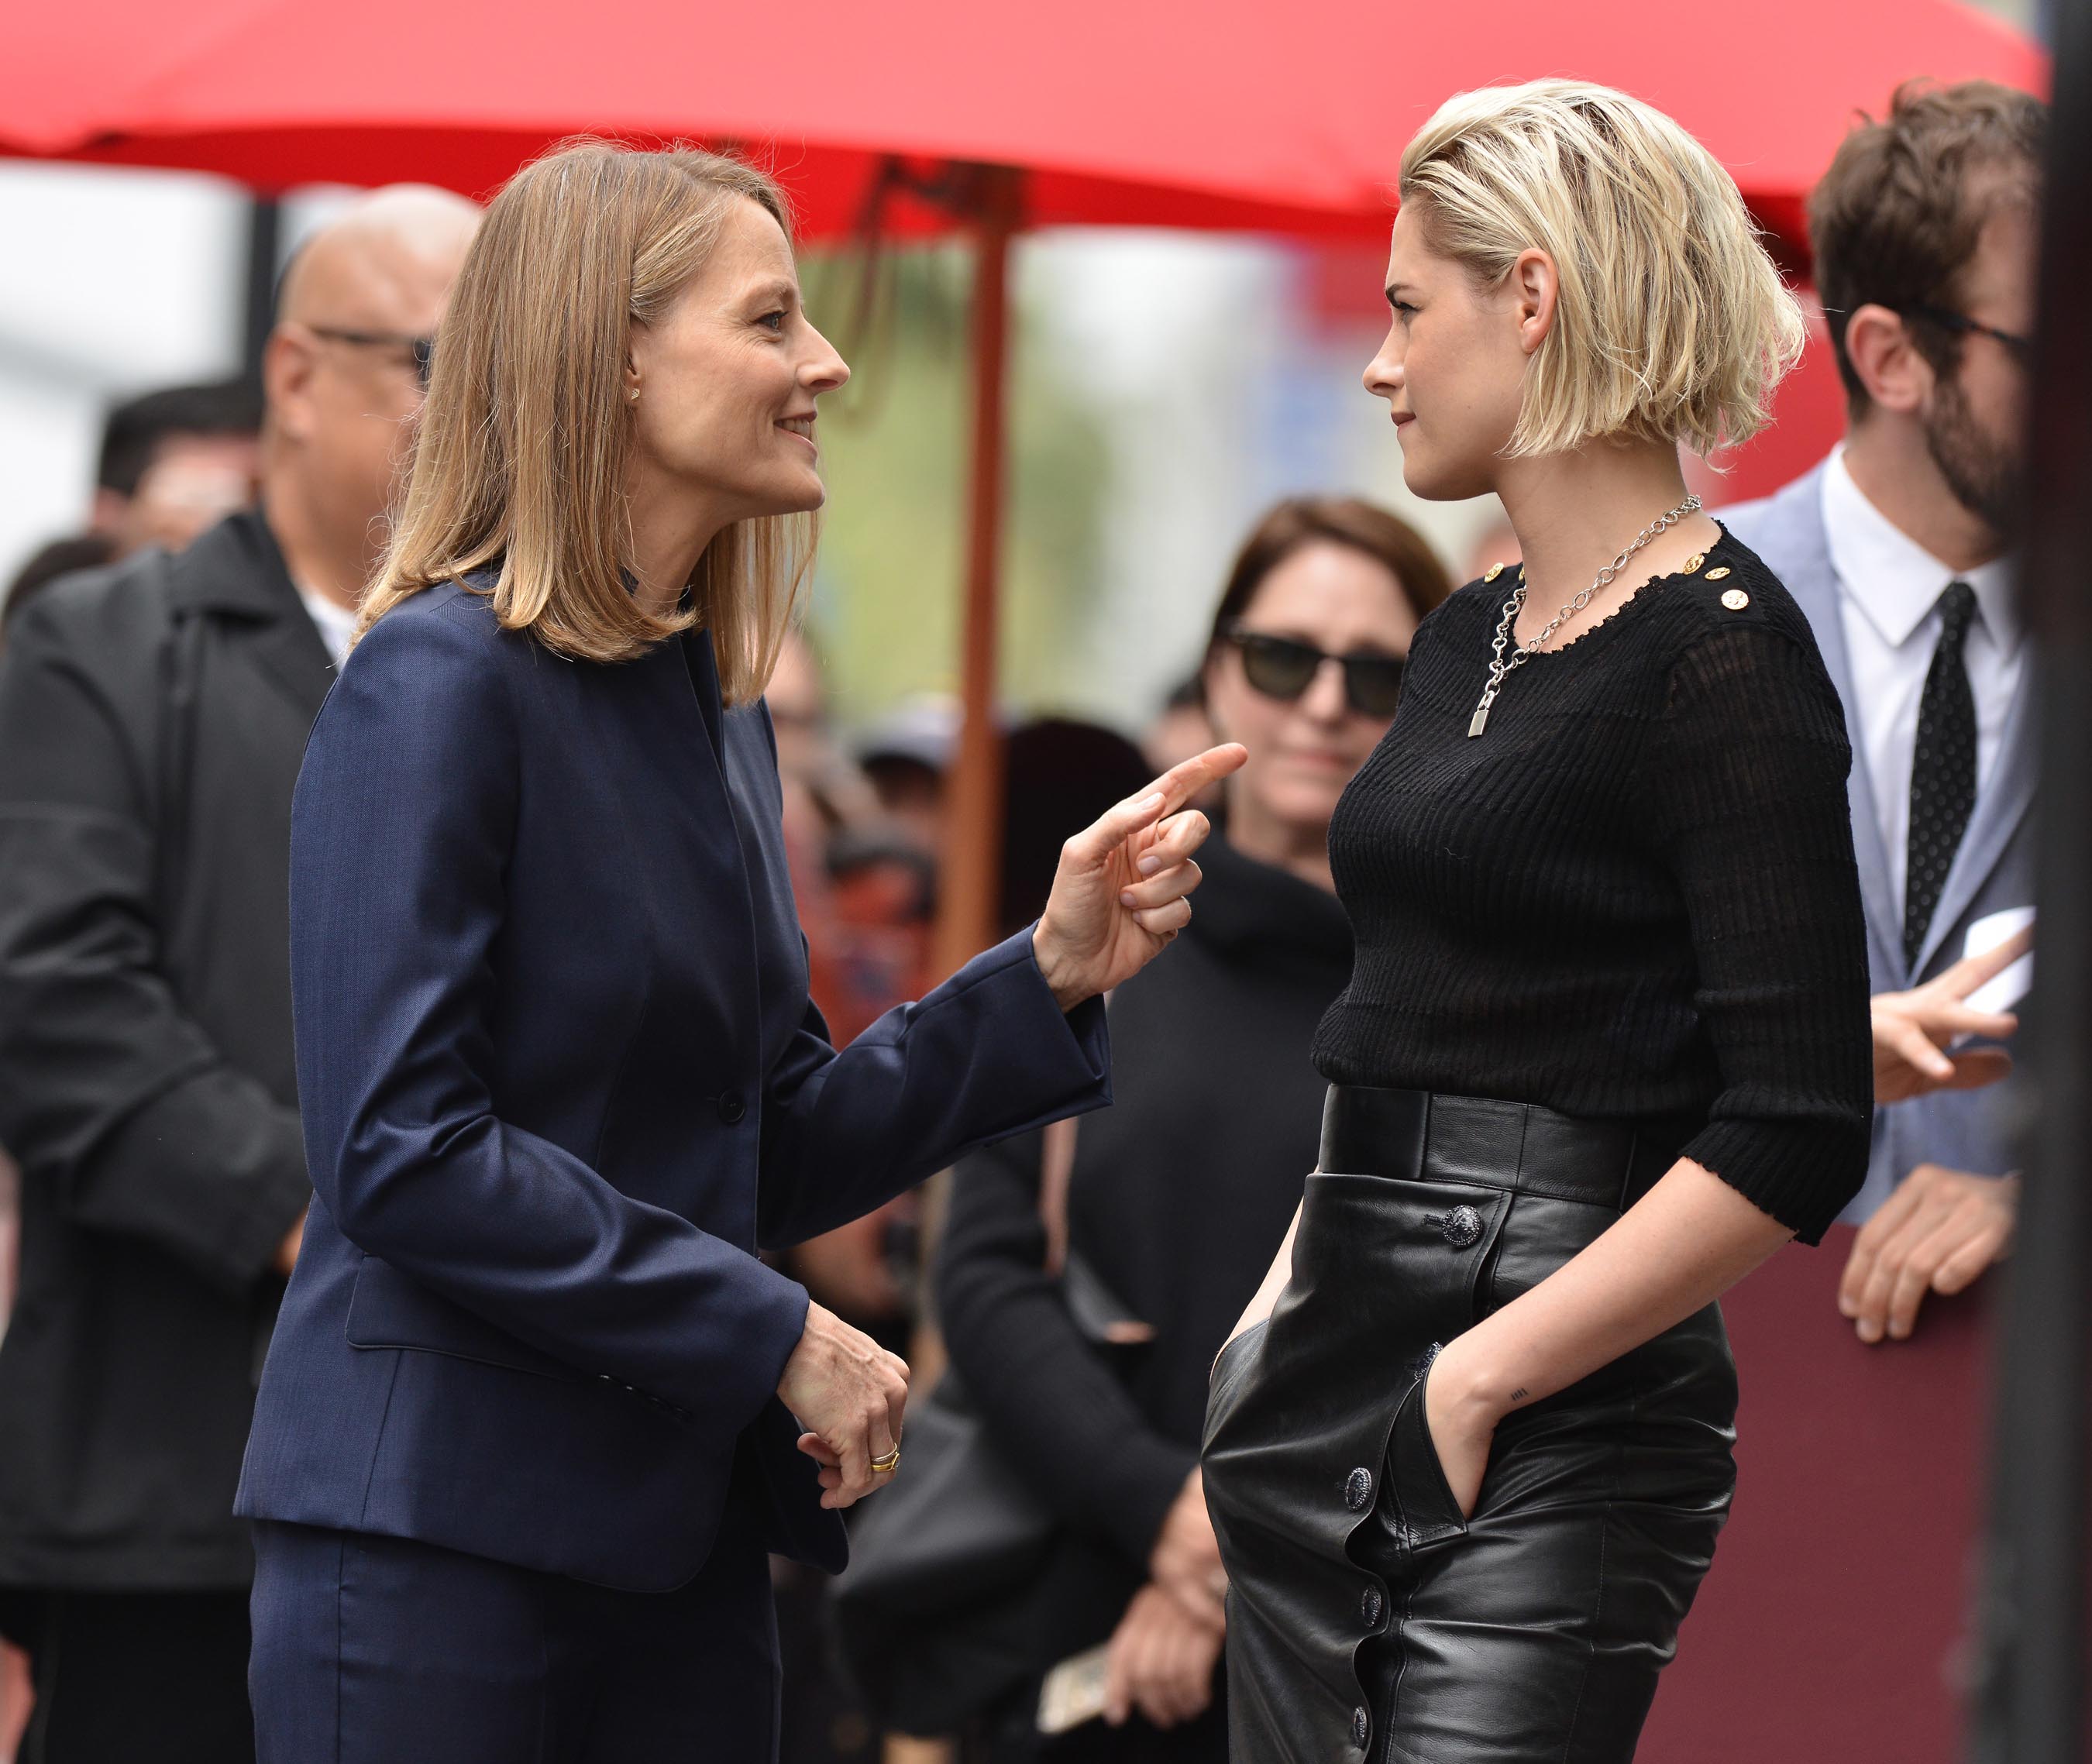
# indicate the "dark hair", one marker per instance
pixel 61 557
pixel 1898 217
pixel 132 432
pixel 1060 775
pixel 1303 521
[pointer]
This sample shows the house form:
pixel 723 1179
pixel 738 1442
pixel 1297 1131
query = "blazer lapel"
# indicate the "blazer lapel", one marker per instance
pixel 2000 807
pixel 237 569
pixel 291 654
pixel 1810 577
pixel 696 672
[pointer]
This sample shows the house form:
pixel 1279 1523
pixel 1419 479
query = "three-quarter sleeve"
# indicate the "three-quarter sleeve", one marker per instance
pixel 1743 790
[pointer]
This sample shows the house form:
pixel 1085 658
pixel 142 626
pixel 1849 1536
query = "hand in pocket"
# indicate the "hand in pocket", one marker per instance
pixel 1461 1433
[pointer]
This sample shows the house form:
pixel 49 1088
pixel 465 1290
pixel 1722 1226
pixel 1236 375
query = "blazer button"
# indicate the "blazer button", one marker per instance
pixel 1370 1606
pixel 1358 1489
pixel 1361 1727
pixel 732 1107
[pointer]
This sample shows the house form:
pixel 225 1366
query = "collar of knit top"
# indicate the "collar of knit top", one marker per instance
pixel 1718 556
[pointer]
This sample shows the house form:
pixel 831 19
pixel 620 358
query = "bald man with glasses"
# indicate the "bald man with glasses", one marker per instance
pixel 153 716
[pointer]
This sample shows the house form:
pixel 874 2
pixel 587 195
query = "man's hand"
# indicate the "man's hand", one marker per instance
pixel 1119 895
pixel 287 1251
pixel 1186 1560
pixel 1161 1661
pixel 1913 1030
pixel 848 1393
pixel 1936 1233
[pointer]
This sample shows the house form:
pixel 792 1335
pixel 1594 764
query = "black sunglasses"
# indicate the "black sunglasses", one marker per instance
pixel 1281 668
pixel 423 348
pixel 1962 325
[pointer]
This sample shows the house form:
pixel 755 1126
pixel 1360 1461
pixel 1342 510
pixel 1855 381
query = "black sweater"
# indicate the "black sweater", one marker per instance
pixel 1633 896
pixel 1181 1194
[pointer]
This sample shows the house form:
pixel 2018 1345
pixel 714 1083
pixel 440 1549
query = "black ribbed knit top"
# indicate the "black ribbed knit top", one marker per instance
pixel 1633 895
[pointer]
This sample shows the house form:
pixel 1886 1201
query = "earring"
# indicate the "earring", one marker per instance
pixel 633 394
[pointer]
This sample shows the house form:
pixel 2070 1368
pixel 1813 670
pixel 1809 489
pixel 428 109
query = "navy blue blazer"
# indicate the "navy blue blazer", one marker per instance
pixel 560 1078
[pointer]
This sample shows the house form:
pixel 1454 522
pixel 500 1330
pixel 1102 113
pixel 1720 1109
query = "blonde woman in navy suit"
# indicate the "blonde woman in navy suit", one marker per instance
pixel 535 1410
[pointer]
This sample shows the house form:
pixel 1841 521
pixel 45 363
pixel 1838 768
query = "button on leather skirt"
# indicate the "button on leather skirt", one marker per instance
pixel 1366 1617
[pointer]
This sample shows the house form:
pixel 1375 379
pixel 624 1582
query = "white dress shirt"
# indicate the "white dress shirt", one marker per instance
pixel 1888 607
pixel 336 622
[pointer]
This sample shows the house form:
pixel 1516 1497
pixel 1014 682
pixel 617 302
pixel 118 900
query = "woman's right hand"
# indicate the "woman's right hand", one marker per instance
pixel 848 1394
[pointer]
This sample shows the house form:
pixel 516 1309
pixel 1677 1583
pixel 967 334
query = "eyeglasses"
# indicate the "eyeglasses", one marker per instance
pixel 1962 325
pixel 1283 668
pixel 422 348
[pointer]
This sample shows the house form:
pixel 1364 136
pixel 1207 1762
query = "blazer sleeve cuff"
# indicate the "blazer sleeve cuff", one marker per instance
pixel 206 1174
pixel 1072 1049
pixel 258 1234
pixel 774 1321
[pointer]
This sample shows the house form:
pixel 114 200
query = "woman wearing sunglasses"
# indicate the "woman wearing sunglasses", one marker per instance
pixel 1179 1193
pixel 1604 1047
pixel 1305 663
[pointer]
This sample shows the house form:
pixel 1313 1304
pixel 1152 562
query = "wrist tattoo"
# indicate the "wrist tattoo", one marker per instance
pixel 1518 1394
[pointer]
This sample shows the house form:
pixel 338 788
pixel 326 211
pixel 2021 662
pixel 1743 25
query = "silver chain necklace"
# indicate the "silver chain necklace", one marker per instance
pixel 1500 669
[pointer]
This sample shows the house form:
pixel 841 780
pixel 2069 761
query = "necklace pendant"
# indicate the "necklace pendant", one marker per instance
pixel 1480 720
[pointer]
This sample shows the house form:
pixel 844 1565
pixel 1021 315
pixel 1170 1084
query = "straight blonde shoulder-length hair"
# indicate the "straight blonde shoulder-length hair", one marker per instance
pixel 519 464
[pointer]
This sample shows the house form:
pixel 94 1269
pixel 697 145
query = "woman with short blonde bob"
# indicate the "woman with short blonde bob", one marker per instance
pixel 534 1410
pixel 1604 1047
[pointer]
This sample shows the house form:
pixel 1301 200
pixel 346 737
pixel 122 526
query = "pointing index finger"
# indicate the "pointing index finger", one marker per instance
pixel 1188 778
pixel 1163 797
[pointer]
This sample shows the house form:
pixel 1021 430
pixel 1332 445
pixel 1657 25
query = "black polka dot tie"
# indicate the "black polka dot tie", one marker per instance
pixel 1943 772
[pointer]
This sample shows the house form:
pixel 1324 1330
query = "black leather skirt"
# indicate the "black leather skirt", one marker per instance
pixel 1365 1617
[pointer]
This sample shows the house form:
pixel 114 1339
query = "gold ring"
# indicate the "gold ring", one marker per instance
pixel 890 1462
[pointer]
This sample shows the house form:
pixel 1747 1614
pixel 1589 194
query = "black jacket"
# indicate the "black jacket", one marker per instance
pixel 1181 1193
pixel 151 719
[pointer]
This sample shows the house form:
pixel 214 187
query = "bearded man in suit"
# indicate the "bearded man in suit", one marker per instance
pixel 1899 547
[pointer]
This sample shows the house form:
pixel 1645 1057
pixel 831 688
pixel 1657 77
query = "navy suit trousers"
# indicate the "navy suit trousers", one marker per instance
pixel 382 1650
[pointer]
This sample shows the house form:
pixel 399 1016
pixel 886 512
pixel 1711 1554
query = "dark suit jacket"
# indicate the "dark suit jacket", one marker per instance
pixel 561 1079
pixel 152 716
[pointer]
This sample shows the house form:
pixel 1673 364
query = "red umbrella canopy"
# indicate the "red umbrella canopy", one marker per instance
pixel 1236 113
pixel 1252 114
